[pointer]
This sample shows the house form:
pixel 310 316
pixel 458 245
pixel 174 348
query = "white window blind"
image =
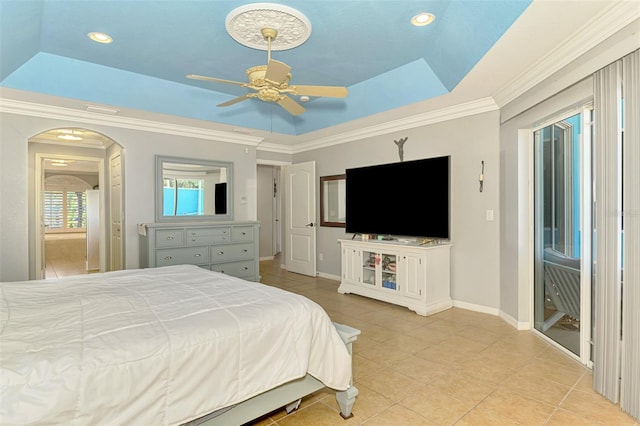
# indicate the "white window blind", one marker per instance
pixel 617 266
pixel 65 211
pixel 630 368
pixel 54 210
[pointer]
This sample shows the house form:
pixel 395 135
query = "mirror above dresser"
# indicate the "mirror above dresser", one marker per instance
pixel 189 189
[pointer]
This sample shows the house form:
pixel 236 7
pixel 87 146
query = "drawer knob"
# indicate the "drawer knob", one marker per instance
pixel 193 239
pixel 245 268
pixel 220 252
pixel 244 250
pixel 168 258
pixel 197 255
pixel 244 233
pixel 222 271
pixel 170 237
pixel 193 233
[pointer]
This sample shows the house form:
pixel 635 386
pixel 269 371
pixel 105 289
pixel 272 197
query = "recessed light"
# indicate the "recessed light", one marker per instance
pixel 100 37
pixel 422 19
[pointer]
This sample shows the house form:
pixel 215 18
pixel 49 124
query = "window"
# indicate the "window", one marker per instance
pixel 65 211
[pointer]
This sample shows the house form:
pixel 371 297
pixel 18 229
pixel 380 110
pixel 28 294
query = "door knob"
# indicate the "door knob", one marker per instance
pixel 310 224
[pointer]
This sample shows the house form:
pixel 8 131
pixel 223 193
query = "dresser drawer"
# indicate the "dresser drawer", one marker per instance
pixel 230 252
pixel 181 256
pixel 236 269
pixel 169 237
pixel 242 233
pixel 200 236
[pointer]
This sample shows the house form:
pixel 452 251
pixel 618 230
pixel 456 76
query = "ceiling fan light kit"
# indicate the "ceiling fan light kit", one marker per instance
pixel 268 26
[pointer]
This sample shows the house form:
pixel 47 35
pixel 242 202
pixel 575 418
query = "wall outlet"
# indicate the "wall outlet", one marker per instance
pixel 321 256
pixel 489 215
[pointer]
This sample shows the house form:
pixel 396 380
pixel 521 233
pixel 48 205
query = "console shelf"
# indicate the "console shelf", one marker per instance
pixel 406 274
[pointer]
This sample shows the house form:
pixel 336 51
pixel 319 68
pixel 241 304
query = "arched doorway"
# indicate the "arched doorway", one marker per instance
pixel 75 203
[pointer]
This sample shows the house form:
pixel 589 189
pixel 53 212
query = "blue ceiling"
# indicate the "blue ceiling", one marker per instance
pixel 368 46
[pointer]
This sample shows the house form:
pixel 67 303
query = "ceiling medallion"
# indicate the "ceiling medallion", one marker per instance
pixel 245 23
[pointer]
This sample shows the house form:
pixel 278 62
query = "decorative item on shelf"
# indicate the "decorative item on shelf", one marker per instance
pixel 400 144
pixel 385 262
pixel 389 282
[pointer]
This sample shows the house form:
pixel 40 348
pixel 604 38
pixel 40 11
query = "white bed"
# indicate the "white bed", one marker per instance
pixel 161 346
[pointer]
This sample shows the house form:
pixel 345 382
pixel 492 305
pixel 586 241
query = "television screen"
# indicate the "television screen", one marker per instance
pixel 409 198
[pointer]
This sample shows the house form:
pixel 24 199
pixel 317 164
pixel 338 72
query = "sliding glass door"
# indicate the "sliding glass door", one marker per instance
pixel 558 226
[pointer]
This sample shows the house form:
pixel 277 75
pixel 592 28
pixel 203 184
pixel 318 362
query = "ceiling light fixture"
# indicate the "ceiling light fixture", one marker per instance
pixel 101 109
pixel 70 137
pixel 61 163
pixel 422 19
pixel 100 37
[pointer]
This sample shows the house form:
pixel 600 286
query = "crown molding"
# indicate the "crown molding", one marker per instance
pixel 413 121
pixel 417 120
pixel 592 33
pixel 47 111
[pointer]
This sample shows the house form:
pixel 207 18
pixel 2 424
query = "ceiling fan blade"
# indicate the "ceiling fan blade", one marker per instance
pixel 277 72
pixel 236 100
pixel 325 91
pixel 217 80
pixel 290 105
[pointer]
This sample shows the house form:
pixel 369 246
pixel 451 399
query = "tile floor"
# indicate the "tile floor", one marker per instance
pixel 65 254
pixel 455 367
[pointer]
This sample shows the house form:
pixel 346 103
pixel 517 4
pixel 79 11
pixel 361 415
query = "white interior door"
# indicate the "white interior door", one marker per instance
pixel 300 194
pixel 115 177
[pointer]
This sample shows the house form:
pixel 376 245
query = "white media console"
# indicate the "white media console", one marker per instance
pixel 404 273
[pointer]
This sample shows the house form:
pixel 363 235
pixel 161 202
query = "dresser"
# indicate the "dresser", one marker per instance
pixel 227 247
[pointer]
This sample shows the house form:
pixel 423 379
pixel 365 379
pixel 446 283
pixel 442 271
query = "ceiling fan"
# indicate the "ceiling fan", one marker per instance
pixel 271 83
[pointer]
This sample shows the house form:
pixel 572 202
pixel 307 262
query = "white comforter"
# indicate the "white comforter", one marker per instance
pixel 157 346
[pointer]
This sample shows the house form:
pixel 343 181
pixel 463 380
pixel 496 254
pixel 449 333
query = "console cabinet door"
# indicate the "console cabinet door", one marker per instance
pixel 352 265
pixel 412 275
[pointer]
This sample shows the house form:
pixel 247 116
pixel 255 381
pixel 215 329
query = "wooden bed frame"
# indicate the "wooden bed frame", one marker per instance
pixel 287 395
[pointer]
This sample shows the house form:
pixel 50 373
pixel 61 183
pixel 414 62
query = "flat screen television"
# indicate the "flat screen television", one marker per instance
pixel 409 198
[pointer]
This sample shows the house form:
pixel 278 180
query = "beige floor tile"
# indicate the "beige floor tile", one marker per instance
pixel 563 417
pixel 462 387
pixel 594 407
pixel 567 375
pixel 484 369
pixel 483 417
pixel 397 416
pixel 420 369
pixel 536 387
pixel 391 384
pixel 437 407
pixel 518 408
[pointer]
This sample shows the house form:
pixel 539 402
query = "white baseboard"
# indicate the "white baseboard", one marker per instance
pixel 329 276
pixel 266 258
pixel 476 308
pixel 518 325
